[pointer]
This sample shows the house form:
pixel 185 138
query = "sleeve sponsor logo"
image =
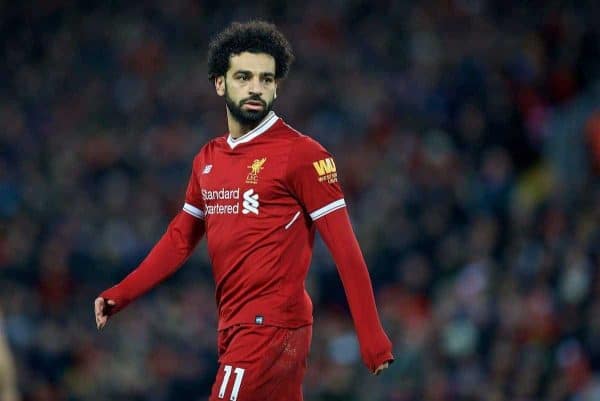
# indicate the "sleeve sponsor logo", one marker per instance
pixel 326 170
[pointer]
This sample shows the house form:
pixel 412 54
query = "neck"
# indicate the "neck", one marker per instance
pixel 236 129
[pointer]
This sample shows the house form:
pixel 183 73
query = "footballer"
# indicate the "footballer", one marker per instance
pixel 258 194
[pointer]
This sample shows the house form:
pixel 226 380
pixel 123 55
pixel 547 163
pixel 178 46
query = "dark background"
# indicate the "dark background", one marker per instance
pixel 467 139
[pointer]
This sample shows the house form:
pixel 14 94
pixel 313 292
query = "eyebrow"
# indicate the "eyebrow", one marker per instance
pixel 270 74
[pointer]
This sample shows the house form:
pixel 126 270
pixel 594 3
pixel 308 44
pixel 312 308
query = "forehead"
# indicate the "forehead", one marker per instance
pixel 255 62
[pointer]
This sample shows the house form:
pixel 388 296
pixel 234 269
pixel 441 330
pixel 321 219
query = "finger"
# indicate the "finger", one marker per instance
pixel 381 368
pixel 111 302
pixel 98 312
pixel 99 305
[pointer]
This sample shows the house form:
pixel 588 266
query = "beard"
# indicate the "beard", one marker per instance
pixel 247 117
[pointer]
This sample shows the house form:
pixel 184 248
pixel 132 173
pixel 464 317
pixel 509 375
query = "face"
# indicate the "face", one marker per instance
pixel 249 86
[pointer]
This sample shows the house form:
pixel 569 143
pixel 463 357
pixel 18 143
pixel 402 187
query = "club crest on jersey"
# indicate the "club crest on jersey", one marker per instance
pixel 326 170
pixel 255 168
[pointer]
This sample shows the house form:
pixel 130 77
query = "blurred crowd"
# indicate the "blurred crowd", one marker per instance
pixel 484 256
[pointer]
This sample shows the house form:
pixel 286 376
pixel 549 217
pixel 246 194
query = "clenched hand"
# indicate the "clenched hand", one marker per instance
pixel 101 310
pixel 381 368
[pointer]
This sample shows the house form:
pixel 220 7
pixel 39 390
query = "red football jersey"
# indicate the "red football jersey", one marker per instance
pixel 258 196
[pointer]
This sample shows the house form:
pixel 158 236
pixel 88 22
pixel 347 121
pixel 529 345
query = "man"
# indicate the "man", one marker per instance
pixel 258 194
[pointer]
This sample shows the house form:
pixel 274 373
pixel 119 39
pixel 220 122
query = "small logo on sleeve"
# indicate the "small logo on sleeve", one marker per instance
pixel 326 170
pixel 255 168
pixel 207 169
pixel 259 319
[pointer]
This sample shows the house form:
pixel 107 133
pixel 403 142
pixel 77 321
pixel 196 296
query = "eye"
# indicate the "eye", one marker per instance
pixel 268 80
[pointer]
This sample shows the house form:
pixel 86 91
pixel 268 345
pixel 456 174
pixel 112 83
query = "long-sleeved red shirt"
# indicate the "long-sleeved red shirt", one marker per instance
pixel 258 199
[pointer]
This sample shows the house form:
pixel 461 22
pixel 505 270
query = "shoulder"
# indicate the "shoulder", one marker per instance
pixel 218 141
pixel 204 152
pixel 300 143
pixel 307 154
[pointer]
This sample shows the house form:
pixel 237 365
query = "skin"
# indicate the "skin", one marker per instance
pixel 251 76
pixel 250 79
pixel 8 381
pixel 100 306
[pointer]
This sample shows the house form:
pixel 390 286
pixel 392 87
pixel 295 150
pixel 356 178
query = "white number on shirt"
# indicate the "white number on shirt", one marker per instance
pixel 239 374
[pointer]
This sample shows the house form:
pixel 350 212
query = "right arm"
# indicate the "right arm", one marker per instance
pixel 169 253
pixel 167 256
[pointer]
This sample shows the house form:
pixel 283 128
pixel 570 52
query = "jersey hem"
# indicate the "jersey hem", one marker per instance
pixel 273 323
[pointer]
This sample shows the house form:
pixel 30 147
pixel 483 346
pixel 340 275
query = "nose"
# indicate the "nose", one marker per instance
pixel 254 86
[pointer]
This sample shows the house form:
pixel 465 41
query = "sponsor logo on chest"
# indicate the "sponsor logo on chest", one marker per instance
pixel 228 201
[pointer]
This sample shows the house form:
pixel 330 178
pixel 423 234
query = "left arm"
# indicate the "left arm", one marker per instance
pixel 312 179
pixel 336 230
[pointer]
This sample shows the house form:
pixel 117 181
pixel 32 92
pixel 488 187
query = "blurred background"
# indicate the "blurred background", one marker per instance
pixel 467 138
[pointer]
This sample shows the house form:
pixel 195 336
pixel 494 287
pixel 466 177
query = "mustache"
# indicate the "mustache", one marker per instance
pixel 253 99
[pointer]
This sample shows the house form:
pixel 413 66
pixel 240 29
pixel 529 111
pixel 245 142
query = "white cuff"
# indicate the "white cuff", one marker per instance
pixel 335 205
pixel 193 210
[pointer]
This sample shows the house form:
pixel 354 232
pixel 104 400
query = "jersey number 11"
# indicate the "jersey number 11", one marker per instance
pixel 239 374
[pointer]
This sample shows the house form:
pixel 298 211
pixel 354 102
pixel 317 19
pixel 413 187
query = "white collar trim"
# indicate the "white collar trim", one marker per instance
pixel 264 125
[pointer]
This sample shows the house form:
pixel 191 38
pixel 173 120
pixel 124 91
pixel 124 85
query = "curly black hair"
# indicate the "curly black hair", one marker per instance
pixel 255 37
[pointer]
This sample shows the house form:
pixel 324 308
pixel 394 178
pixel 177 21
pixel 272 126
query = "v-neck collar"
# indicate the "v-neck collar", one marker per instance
pixel 264 125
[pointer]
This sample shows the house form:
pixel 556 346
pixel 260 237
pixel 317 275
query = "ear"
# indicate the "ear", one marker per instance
pixel 275 92
pixel 220 85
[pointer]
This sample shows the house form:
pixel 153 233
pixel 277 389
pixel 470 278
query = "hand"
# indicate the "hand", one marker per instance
pixel 101 309
pixel 381 367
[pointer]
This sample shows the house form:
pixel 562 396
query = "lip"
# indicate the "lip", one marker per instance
pixel 254 105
